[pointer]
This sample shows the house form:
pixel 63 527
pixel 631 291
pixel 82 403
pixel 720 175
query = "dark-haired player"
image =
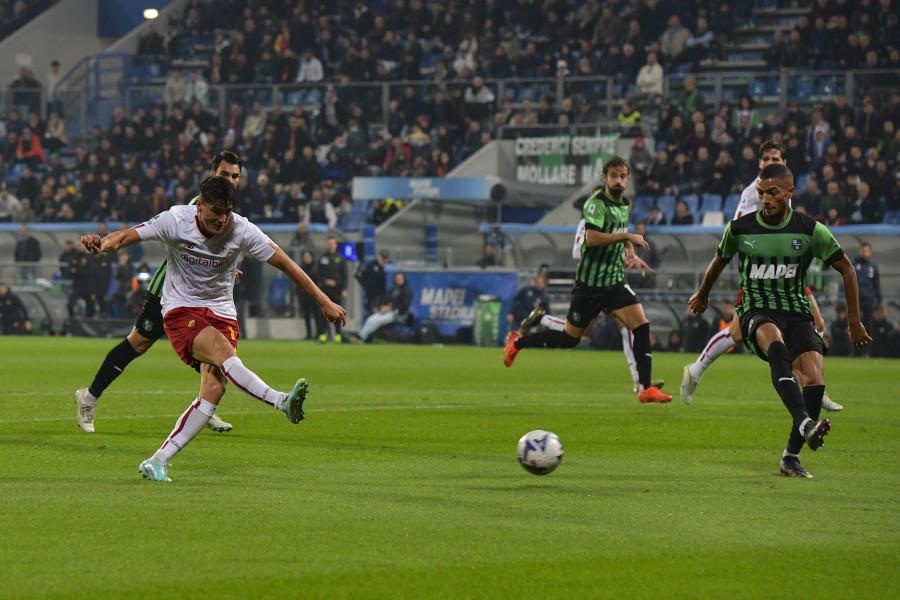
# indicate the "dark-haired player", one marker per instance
pixel 607 250
pixel 770 152
pixel 775 247
pixel 203 244
pixel 149 324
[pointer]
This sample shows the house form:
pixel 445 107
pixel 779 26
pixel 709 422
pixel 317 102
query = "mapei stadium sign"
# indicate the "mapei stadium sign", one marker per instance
pixel 563 159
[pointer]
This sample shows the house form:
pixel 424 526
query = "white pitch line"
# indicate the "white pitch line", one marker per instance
pixel 337 409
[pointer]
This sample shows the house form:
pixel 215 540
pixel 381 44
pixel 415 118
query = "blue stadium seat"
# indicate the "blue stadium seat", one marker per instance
pixel 666 204
pixel 14 172
pixel 731 204
pixel 891 217
pixel 756 88
pixel 641 208
pixel 800 182
pixel 693 202
pixel 711 202
pixel 827 86
pixel 803 88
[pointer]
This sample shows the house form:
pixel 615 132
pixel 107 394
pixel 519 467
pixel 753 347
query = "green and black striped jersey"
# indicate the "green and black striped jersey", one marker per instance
pixel 603 266
pixel 155 286
pixel 774 260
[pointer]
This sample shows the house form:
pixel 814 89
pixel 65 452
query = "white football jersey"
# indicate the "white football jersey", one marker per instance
pixel 579 239
pixel 749 201
pixel 200 270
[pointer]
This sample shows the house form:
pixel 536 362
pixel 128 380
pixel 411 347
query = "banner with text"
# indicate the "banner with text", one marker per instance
pixel 564 159
pixel 446 299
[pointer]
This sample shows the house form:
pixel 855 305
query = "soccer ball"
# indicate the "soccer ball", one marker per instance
pixel 540 451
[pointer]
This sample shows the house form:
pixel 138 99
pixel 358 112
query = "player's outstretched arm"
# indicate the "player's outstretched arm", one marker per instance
pixel 94 244
pixel 335 313
pixel 858 335
pixel 699 302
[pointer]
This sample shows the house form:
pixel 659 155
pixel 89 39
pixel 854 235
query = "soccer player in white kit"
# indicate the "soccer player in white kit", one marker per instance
pixel 770 152
pixel 203 243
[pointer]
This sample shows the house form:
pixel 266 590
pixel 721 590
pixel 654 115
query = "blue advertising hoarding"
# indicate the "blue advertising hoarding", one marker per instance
pixel 446 299
pixel 461 189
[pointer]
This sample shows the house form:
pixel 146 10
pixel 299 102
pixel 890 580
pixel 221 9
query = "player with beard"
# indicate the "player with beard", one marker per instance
pixel 607 250
pixel 775 247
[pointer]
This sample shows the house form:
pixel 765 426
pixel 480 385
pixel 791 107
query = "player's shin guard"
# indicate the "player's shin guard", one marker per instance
pixel 547 339
pixel 643 357
pixel 187 427
pixel 113 365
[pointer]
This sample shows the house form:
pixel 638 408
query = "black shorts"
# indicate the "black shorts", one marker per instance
pixel 150 322
pixel 797 329
pixel 588 302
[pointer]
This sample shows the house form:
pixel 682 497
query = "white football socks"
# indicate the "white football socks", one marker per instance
pixel 718 345
pixel 249 382
pixel 189 424
pixel 627 348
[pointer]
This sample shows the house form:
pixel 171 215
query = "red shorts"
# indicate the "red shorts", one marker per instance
pixel 183 324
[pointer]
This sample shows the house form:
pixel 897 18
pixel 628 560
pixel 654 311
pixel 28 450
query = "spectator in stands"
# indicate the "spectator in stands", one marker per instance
pixel 25 91
pixel 479 101
pixel 683 214
pixel 723 175
pixel 13 314
pixel 29 149
pixel 657 217
pixel 55 136
pixel 640 160
pixel 658 178
pixel 691 99
pixel 319 210
pixel 809 199
pixel 674 40
pixel 700 46
pixel 650 79
pixel 52 79
pixel 310 68
pixel 197 90
pixel 629 120
pixel 864 209
pixel 10 206
pixel 698 138
pixel 676 133
pixel 175 88
pixel 833 198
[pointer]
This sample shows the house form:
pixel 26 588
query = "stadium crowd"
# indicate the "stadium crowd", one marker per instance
pixel 301 157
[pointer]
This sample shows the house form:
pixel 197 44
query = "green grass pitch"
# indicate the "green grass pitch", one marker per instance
pixel 402 482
